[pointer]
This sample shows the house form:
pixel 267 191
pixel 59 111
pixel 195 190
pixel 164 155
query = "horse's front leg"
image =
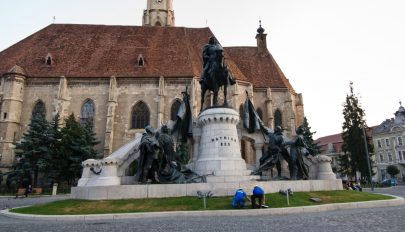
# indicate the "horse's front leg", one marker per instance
pixel 215 100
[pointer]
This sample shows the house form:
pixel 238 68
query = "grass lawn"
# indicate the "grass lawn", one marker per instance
pixel 274 200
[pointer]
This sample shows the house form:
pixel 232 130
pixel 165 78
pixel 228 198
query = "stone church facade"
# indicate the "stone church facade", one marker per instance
pixel 122 78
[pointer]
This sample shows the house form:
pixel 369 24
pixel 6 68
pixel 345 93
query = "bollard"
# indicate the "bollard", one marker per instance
pixel 204 196
pixel 54 189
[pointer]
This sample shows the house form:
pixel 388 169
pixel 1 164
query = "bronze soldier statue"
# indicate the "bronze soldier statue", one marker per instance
pixel 149 159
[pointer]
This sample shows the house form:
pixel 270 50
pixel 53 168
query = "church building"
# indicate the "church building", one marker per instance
pixel 122 78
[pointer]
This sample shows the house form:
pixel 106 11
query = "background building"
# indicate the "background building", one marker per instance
pixel 122 78
pixel 389 145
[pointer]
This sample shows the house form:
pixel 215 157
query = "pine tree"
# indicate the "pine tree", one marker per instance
pixel 33 152
pixel 55 137
pixel 76 146
pixel 313 148
pixel 353 139
pixel 91 140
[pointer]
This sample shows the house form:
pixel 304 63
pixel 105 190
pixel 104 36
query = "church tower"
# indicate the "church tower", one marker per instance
pixel 261 39
pixel 159 13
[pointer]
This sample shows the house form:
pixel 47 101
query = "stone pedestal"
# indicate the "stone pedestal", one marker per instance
pixel 100 173
pixel 324 168
pixel 219 149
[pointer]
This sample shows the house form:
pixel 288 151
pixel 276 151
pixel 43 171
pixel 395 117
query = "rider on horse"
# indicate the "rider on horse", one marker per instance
pixel 215 72
pixel 212 52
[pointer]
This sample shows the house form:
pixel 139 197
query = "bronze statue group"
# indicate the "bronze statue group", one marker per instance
pixel 159 163
pixel 277 150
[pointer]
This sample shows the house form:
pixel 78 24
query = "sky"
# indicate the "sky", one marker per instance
pixel 321 45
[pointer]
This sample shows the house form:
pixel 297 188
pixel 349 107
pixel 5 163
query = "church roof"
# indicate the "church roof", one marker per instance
pixel 80 50
pixel 261 69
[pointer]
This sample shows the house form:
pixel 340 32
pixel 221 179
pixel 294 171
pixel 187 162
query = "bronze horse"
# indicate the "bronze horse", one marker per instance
pixel 215 73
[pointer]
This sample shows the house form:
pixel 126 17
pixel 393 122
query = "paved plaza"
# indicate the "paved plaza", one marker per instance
pixel 372 219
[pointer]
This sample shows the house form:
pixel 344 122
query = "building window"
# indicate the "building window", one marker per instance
pixel 140 116
pixel 278 119
pixel 387 142
pixel 175 109
pixel 241 112
pixel 379 143
pixel 381 157
pixel 48 60
pixel 39 108
pixel 87 113
pixel 401 156
pixel 141 61
pixel 389 157
pixel 260 113
pixel 399 139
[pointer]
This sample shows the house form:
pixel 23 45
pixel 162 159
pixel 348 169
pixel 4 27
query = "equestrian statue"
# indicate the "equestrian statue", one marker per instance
pixel 215 72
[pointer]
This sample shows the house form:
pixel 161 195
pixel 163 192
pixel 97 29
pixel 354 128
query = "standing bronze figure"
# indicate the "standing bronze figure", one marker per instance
pixel 215 72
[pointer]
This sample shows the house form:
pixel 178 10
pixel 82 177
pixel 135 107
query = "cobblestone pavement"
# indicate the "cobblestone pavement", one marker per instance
pixel 378 219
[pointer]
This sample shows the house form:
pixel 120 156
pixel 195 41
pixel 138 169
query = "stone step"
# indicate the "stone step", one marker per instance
pixel 231 179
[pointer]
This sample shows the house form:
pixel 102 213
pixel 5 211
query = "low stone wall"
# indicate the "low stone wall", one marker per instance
pixel 218 189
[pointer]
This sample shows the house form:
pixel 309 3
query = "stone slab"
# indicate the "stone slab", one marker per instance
pixel 217 188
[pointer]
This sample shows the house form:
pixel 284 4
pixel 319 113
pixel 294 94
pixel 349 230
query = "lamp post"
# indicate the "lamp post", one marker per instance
pixel 368 159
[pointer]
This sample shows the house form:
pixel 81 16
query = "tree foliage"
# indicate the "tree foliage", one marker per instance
pixel 54 152
pixel 76 146
pixel 33 152
pixel 392 170
pixel 313 148
pixel 354 159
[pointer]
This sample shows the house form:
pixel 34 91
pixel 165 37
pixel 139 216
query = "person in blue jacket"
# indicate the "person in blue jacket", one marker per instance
pixel 239 199
pixel 257 197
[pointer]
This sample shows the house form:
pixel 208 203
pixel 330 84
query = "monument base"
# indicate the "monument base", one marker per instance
pixel 180 190
pixel 219 150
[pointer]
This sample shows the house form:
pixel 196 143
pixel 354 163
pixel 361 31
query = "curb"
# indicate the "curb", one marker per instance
pixel 251 212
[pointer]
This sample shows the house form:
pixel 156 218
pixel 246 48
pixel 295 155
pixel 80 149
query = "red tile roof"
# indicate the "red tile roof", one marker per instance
pixel 262 69
pixel 104 51
pixel 336 141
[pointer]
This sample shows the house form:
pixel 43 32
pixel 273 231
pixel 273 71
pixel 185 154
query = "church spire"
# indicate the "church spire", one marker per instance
pixel 261 39
pixel 159 13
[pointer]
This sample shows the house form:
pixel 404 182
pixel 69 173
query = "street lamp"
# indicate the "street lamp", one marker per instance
pixel 368 159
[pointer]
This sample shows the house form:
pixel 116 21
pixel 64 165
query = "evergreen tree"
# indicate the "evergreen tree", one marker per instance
pixel 313 148
pixel 55 137
pixel 91 140
pixel 353 139
pixel 33 153
pixel 76 146
pixel 392 170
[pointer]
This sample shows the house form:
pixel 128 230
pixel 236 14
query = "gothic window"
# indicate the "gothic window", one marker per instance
pixel 140 116
pixel 260 113
pixel 387 142
pixel 241 112
pixel 278 119
pixel 39 108
pixel 174 110
pixel 141 61
pixel 379 143
pixel 87 113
